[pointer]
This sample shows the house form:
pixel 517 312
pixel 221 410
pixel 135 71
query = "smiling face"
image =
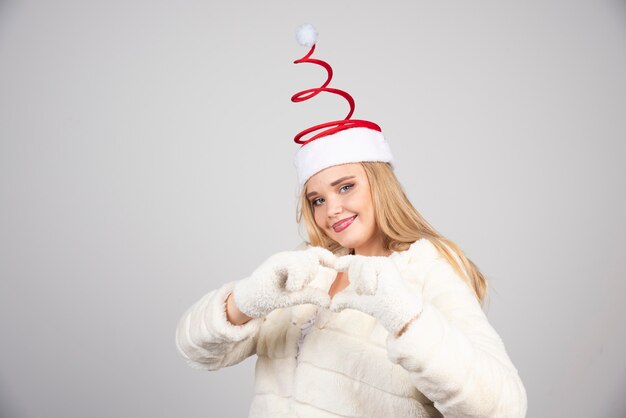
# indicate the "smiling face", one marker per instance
pixel 341 202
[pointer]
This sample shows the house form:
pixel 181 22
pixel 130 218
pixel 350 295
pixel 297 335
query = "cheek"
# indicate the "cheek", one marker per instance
pixel 319 219
pixel 364 207
pixel 362 202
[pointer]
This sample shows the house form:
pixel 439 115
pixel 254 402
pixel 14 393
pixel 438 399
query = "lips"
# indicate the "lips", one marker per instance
pixel 343 224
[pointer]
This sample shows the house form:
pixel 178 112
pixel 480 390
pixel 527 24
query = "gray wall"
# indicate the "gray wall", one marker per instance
pixel 146 158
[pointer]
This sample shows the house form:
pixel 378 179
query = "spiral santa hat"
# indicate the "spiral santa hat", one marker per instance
pixel 338 142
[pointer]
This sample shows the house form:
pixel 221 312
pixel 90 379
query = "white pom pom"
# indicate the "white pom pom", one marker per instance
pixel 306 35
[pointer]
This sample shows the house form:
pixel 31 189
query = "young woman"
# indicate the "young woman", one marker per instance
pixel 377 315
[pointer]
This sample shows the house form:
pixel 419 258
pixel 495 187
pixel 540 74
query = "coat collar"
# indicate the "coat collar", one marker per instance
pixel 420 251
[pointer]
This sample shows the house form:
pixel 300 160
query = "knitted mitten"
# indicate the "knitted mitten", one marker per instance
pixel 281 281
pixel 378 289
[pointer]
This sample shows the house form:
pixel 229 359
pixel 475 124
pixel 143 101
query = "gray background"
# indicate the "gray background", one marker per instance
pixel 146 158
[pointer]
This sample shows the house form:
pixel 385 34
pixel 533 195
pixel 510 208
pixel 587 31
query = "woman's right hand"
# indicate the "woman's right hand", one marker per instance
pixel 282 281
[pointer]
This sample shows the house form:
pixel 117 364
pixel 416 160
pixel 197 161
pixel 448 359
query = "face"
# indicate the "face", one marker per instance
pixel 341 202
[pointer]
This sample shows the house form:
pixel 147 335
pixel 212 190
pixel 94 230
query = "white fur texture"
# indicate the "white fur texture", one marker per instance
pixel 450 362
pixel 378 289
pixel 306 35
pixel 348 146
pixel 205 324
pixel 283 281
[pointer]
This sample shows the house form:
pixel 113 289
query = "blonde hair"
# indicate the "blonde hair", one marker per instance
pixel 400 224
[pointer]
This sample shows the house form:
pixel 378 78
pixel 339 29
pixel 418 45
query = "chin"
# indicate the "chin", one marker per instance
pixel 352 240
pixel 348 243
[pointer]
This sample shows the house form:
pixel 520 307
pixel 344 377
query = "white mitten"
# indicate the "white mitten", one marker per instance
pixel 378 289
pixel 282 281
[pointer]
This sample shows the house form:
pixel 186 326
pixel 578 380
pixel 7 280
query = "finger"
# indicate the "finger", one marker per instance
pixel 368 282
pixel 280 277
pixel 308 295
pixel 343 300
pixel 343 263
pixel 370 304
pixel 363 275
pixel 354 272
pixel 277 267
pixel 324 256
pixel 317 297
pixel 325 273
pixel 299 276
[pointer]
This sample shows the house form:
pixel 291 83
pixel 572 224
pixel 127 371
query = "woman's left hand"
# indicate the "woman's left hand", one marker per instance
pixel 378 289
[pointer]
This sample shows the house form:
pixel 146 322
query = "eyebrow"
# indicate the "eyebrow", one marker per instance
pixel 334 183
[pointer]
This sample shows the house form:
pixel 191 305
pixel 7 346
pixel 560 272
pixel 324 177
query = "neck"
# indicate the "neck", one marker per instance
pixel 379 253
pixel 371 249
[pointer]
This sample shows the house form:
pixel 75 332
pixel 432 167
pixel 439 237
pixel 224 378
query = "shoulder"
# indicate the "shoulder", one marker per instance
pixel 439 277
pixel 418 258
pixel 423 264
pixel 424 250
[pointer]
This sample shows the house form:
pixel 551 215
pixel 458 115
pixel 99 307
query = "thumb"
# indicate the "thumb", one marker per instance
pixel 326 273
pixel 325 257
pixel 342 300
pixel 309 295
pixel 343 263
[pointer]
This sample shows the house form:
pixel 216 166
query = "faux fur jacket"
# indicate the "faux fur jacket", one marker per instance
pixel 312 362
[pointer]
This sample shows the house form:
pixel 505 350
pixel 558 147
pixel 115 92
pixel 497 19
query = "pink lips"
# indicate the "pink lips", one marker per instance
pixel 343 224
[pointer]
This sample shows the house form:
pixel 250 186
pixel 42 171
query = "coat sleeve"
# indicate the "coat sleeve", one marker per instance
pixel 207 340
pixel 454 356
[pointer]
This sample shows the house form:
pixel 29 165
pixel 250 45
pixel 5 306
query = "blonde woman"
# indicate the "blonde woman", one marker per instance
pixel 376 315
pixel 443 358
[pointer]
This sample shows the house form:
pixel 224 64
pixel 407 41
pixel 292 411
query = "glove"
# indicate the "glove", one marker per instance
pixel 282 281
pixel 378 289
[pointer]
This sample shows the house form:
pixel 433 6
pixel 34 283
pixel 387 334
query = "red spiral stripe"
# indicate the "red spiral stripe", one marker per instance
pixel 338 125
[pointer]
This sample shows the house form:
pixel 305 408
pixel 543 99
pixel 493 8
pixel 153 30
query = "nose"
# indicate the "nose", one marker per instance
pixel 334 208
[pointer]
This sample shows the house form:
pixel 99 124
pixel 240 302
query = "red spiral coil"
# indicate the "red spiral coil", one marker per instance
pixel 339 125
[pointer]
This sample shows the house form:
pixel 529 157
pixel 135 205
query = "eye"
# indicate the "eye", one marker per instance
pixel 344 187
pixel 347 185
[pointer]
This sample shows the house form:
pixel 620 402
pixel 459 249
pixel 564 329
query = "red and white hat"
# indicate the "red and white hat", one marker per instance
pixel 343 141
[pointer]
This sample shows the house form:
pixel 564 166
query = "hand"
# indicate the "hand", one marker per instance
pixel 378 289
pixel 282 281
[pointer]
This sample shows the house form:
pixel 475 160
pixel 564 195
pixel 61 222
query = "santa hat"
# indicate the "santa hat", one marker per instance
pixel 343 141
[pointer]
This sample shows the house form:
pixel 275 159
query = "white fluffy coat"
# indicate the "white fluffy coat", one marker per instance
pixel 450 362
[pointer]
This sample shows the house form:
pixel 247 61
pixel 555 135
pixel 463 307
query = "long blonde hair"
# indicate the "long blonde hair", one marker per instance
pixel 400 224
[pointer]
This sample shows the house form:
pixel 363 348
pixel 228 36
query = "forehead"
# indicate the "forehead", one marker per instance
pixel 330 174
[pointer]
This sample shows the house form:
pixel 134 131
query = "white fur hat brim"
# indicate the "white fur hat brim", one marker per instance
pixel 348 146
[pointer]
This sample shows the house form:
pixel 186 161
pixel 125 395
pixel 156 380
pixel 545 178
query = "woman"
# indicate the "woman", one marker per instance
pixel 448 362
pixel 378 315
